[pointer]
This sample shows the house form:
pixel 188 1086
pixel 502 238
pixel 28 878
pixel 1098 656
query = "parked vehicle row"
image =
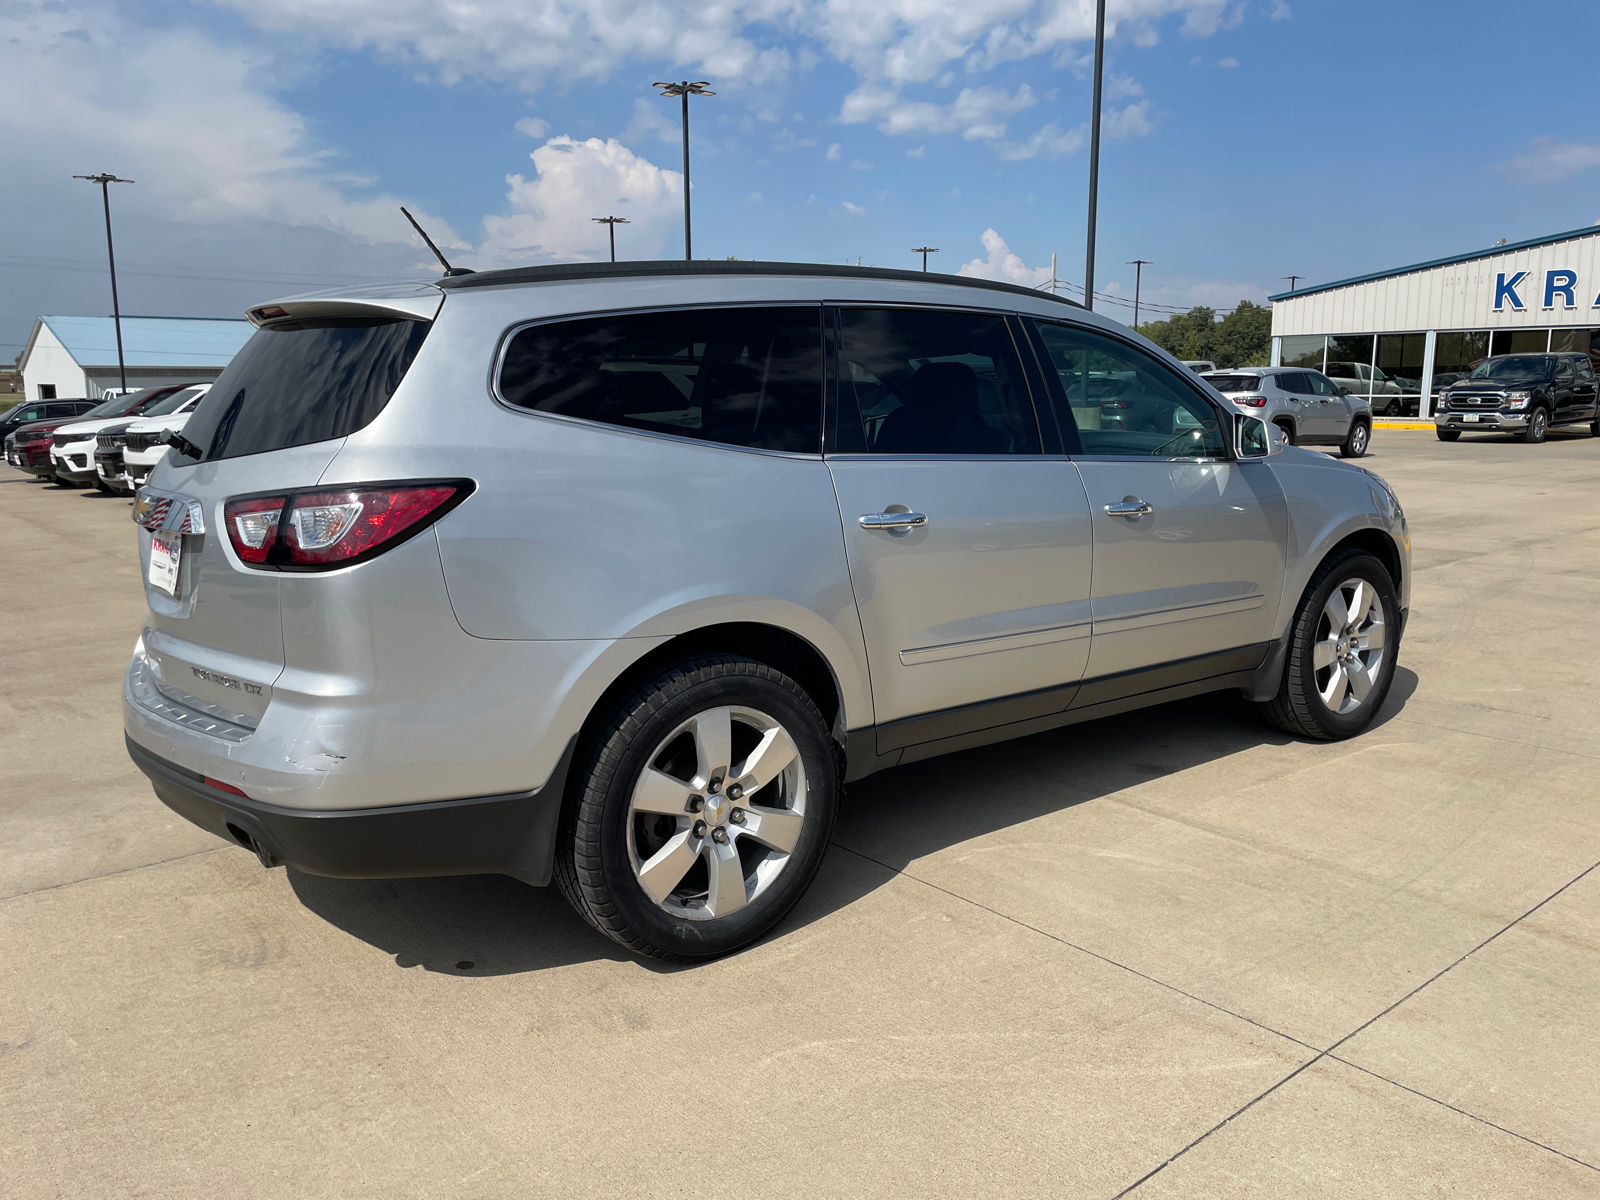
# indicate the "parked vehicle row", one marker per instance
pixel 613 575
pixel 111 445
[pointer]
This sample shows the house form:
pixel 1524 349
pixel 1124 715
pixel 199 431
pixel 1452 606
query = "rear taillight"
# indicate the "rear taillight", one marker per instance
pixel 1252 401
pixel 253 526
pixel 321 529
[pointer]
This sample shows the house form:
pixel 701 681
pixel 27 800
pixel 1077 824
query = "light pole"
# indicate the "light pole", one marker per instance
pixel 103 179
pixel 685 89
pixel 1138 265
pixel 611 224
pixel 925 251
pixel 1293 279
pixel 1094 150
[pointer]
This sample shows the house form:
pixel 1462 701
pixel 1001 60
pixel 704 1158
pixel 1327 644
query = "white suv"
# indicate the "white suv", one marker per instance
pixel 617 573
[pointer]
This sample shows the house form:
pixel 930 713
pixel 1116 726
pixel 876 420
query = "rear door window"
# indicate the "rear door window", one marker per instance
pixel 305 381
pixel 737 376
pixel 934 382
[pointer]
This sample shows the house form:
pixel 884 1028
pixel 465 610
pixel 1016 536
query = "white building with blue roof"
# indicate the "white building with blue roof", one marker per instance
pixel 1401 336
pixel 70 358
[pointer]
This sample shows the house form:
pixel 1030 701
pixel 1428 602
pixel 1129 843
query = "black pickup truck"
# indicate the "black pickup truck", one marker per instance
pixel 1524 394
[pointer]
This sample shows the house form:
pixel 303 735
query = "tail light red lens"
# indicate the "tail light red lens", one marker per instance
pixel 1251 401
pixel 253 526
pixel 330 528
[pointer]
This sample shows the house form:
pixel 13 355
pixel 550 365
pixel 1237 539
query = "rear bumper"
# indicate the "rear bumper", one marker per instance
pixel 481 835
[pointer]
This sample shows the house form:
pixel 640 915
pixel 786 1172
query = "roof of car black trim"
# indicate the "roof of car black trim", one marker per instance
pixel 559 272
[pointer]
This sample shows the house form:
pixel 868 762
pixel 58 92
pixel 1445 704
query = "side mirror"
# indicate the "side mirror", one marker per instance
pixel 1254 438
pixel 1343 391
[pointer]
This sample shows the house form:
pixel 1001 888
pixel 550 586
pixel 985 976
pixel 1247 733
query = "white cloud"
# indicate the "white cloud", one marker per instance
pixel 1052 142
pixel 217 149
pixel 917 152
pixel 652 119
pixel 833 153
pixel 1551 159
pixel 1131 121
pixel 1228 62
pixel 1003 264
pixel 533 127
pixel 857 165
pixel 975 113
pixel 550 218
pixel 854 210
pixel 1118 86
pixel 1281 11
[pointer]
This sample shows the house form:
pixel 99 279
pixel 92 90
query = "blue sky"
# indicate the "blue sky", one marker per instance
pixel 273 144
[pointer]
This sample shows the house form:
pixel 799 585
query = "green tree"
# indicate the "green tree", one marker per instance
pixel 1243 338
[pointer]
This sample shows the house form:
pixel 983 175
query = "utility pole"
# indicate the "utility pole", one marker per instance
pixel 1094 150
pixel 611 224
pixel 111 257
pixel 1293 279
pixel 1052 272
pixel 685 89
pixel 1138 265
pixel 925 251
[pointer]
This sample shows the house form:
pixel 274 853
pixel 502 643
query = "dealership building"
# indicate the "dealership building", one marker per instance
pixel 1399 336
pixel 75 358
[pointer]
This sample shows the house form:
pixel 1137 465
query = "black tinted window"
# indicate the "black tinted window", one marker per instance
pixel 320 379
pixel 1234 383
pixel 1125 403
pixel 935 383
pixel 739 376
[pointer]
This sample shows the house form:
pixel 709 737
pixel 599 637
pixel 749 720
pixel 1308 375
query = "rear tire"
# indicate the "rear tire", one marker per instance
pixel 1288 431
pixel 104 486
pixel 1447 435
pixel 1356 441
pixel 640 857
pixel 1340 697
pixel 1537 429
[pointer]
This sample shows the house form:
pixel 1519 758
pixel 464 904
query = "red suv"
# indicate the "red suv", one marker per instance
pixel 28 446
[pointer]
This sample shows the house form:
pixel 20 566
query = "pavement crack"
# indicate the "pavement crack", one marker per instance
pixel 1074 946
pixel 1474 1116
pixel 160 862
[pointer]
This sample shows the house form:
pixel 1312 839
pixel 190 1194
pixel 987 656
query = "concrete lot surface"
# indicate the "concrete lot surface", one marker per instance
pixel 1174 953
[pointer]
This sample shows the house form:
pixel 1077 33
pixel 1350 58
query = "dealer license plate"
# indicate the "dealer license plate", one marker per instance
pixel 1470 418
pixel 164 556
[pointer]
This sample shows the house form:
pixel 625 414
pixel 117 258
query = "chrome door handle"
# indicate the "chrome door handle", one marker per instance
pixel 1131 508
pixel 889 520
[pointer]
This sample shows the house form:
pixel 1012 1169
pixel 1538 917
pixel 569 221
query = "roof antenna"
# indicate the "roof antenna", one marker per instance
pixel 448 269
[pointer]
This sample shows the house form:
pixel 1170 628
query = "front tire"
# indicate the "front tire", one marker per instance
pixel 1341 650
pixel 1356 441
pixel 1447 435
pixel 703 811
pixel 1538 427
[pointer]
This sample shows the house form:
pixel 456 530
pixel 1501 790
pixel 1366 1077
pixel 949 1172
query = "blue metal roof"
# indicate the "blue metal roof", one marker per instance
pixel 1492 251
pixel 152 341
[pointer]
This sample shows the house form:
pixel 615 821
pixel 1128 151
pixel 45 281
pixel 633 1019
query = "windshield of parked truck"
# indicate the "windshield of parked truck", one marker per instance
pixel 1514 366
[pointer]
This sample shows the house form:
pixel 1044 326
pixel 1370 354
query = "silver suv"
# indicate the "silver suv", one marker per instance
pixel 1309 407
pixel 617 574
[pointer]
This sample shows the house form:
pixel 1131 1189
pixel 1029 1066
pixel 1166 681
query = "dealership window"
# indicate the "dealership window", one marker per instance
pixel 1397 373
pixel 1302 351
pixel 1454 356
pixel 1519 341
pixel 1577 341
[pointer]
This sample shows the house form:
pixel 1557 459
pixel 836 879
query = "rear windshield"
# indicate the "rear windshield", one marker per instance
pixel 1234 383
pixel 321 379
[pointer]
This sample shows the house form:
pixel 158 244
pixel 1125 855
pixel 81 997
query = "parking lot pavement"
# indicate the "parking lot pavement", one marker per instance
pixel 1173 952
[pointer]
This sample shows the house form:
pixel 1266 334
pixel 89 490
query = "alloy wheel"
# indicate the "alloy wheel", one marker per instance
pixel 1350 647
pixel 716 812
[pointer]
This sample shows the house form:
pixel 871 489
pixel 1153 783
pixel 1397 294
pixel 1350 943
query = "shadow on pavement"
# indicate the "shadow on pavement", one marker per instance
pixel 502 927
